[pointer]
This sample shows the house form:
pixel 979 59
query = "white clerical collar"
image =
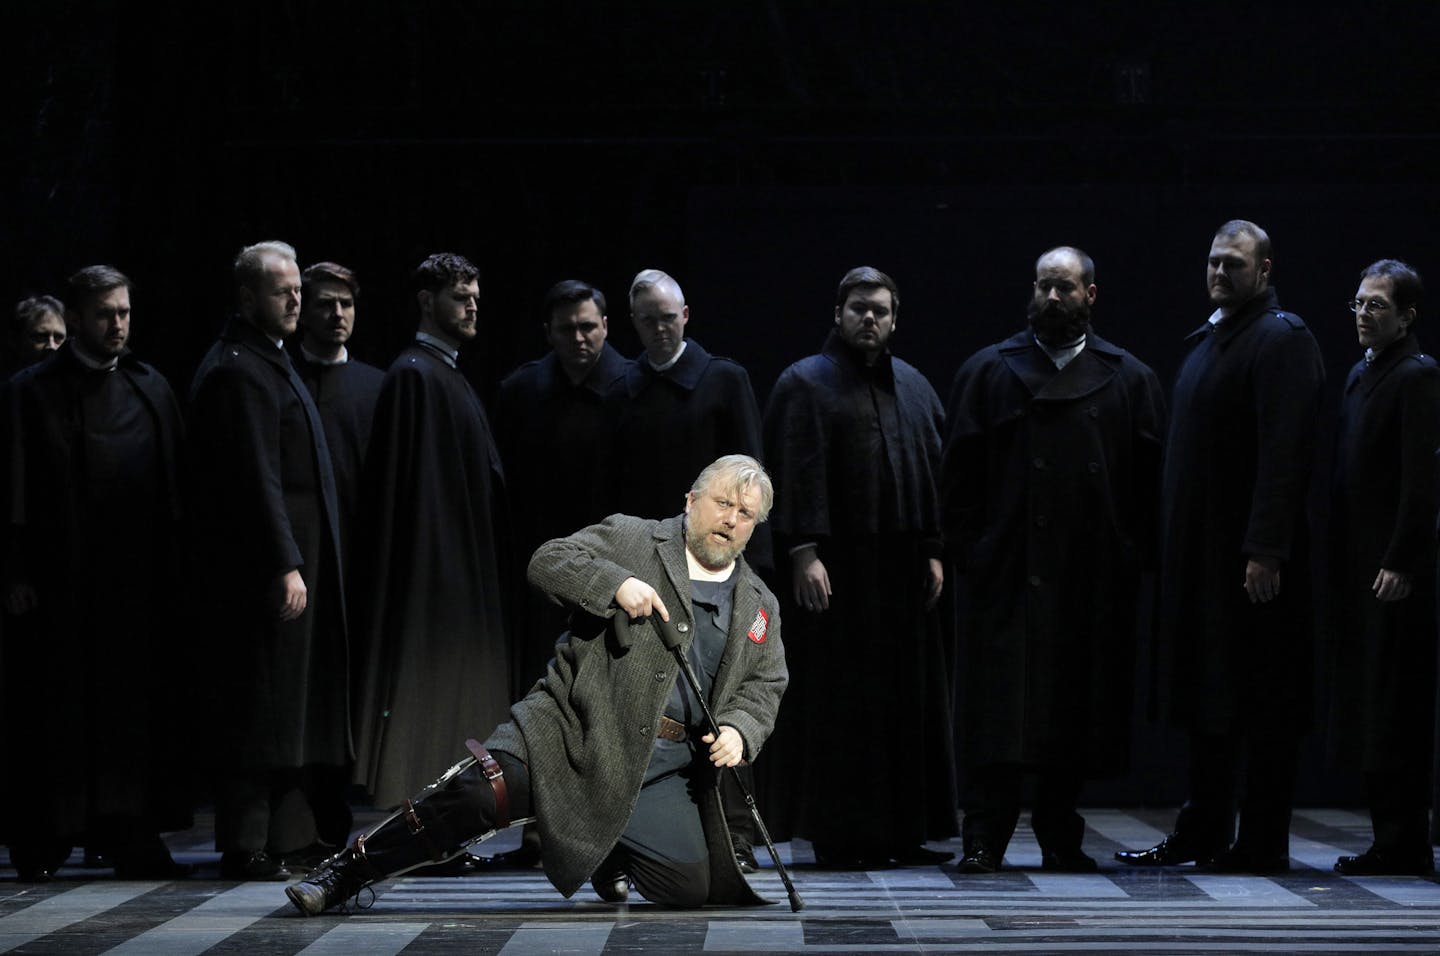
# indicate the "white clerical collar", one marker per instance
pixel 314 359
pixel 446 350
pixel 1061 355
pixel 1216 317
pixel 698 571
pixel 669 363
pixel 99 365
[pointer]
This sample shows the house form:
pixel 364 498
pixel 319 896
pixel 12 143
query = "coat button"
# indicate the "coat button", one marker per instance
pixel 1094 467
pixel 1041 521
pixel 682 627
pixel 644 730
pixel 1038 462
pixel 1093 412
pixel 584 602
pixel 1034 580
pixel 659 675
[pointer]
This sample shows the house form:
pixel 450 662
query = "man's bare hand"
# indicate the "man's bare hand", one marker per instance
pixel 290 587
pixel 812 581
pixel 934 582
pixel 729 750
pixel 638 599
pixel 1262 579
pixel 1393 585
pixel 20 598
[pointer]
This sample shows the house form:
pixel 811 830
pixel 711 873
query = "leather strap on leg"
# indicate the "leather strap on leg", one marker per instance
pixel 491 768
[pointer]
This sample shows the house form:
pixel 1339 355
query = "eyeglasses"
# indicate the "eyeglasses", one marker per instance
pixel 1371 307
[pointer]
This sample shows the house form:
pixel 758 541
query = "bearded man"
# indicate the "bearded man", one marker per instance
pixel 607 753
pixel 1050 479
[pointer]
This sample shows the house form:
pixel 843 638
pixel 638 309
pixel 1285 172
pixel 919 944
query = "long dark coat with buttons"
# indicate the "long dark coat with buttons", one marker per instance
pixel 588 728
pixel 1238 462
pixel 1383 516
pixel 1051 481
pixel 260 493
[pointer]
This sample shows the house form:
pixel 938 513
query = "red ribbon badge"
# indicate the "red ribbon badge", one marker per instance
pixel 759 627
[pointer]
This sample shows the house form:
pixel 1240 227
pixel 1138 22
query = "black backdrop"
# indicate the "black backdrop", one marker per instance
pixel 756 150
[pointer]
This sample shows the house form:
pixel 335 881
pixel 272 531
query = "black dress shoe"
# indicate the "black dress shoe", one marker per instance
pixel 1375 862
pixel 146 857
pixel 612 886
pixel 1171 851
pixel 1068 861
pixel 979 859
pixel 920 856
pixel 745 856
pixel 1241 860
pixel 239 865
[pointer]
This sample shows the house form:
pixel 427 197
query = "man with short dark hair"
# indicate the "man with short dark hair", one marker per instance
pixel 608 751
pixel 1236 638
pixel 553 428
pixel 39 328
pixel 853 437
pixel 94 512
pixel 1051 479
pixel 344 388
pixel 430 580
pixel 1383 555
pixel 267 573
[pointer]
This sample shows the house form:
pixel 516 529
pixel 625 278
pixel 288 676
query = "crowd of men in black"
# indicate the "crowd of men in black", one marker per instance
pixel 335 553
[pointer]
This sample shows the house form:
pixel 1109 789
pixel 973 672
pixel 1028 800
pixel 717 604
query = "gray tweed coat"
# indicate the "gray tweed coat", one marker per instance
pixel 587 728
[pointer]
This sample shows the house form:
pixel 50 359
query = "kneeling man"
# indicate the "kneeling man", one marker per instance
pixel 612 725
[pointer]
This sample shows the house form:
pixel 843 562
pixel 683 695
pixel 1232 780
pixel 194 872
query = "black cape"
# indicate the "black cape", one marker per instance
pixel 1383 516
pixel 261 497
pixel 345 396
pixel 1051 482
pixel 1237 471
pixel 429 579
pixel 92 675
pixel 855 455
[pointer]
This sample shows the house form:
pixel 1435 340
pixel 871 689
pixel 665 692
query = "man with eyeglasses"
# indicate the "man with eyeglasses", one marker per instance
pixel 1383 519
pixel 1235 643
pixel 1050 482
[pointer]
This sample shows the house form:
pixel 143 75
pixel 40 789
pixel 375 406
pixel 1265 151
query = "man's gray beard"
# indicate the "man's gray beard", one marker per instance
pixel 711 556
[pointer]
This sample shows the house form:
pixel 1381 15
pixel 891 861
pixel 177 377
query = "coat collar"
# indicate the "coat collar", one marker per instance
pixel 1231 326
pixel 242 332
pixel 837 350
pixel 1083 375
pixel 1368 377
pixel 684 373
pixel 551 378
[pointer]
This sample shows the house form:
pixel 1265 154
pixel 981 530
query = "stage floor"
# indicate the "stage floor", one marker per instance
pixel 921 909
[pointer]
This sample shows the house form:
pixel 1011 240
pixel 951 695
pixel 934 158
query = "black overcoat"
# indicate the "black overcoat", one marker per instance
pixel 1237 471
pixel 554 438
pixel 1383 516
pixel 700 408
pixel 587 730
pixel 854 451
pixel 433 651
pixel 93 512
pixel 261 497
pixel 345 396
pixel 1051 486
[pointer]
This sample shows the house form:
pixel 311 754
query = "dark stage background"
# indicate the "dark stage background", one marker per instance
pixel 754 150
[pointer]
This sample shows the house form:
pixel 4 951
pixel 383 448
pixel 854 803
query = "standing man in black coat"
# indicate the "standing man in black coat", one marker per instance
pixel 267 537
pixel 853 438
pixel 553 428
pixel 1051 482
pixel 344 388
pixel 434 650
pixel 1236 639
pixel 93 516
pixel 1383 553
